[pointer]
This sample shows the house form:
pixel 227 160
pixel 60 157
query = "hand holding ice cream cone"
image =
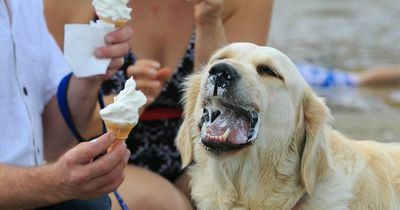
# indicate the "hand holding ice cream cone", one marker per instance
pixel 123 114
pixel 81 40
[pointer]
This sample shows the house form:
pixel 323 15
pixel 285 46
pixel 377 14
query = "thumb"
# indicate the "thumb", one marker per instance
pixel 163 74
pixel 87 151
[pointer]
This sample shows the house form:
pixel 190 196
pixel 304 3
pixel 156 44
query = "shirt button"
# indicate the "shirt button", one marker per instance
pixel 25 91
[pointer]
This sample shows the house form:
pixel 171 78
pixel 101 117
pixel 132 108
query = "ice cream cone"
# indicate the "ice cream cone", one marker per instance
pixel 121 132
pixel 117 23
pixel 123 113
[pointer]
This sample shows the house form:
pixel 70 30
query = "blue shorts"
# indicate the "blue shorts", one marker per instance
pixel 317 76
pixel 100 203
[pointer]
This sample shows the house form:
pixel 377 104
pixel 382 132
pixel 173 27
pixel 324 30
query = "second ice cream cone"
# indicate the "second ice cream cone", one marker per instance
pixel 117 23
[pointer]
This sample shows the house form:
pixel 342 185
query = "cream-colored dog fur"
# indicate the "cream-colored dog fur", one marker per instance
pixel 297 161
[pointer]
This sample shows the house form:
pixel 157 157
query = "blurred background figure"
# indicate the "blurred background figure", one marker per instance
pixel 355 37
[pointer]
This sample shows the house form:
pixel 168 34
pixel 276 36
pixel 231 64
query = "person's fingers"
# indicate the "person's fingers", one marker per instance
pixel 112 51
pixel 116 63
pixel 145 70
pixel 109 73
pixel 106 163
pixel 163 74
pixel 86 151
pixel 148 62
pixel 108 177
pixel 112 186
pixel 139 72
pixel 114 66
pixel 122 34
pixel 150 99
pixel 146 84
pixel 150 88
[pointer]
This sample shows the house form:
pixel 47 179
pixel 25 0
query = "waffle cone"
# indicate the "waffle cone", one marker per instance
pixel 121 132
pixel 117 23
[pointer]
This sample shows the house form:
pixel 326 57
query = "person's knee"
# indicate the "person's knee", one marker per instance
pixel 166 197
pixel 143 189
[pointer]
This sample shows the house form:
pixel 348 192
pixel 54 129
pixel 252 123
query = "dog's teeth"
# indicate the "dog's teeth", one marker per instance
pixel 226 134
pixel 212 137
pixel 216 138
pixel 221 138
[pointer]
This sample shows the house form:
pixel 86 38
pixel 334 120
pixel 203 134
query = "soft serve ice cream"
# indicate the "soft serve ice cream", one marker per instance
pixel 123 114
pixel 112 11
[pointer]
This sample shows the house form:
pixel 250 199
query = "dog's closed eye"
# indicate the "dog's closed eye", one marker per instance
pixel 267 70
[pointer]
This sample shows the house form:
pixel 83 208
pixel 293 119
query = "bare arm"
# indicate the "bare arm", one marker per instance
pixel 380 75
pixel 58 13
pixel 75 175
pixel 250 22
pixel 221 22
pixel 82 97
pixel 24 187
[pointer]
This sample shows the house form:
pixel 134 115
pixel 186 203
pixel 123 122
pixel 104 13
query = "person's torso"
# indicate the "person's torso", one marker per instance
pixel 24 83
pixel 161 30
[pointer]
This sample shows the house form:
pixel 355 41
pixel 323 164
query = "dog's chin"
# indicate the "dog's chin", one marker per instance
pixel 227 127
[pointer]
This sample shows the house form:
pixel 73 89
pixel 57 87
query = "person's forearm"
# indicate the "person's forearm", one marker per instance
pixel 81 103
pixel 82 99
pixel 209 37
pixel 57 136
pixel 27 187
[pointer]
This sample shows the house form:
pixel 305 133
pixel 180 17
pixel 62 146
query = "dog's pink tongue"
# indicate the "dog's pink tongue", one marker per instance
pixel 238 126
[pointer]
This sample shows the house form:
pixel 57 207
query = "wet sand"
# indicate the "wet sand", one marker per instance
pixel 351 35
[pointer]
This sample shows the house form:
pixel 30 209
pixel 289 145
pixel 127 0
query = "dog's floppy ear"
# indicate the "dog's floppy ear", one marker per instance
pixel 188 132
pixel 315 159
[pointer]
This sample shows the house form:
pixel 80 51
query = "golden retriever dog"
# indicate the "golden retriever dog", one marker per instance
pixel 255 136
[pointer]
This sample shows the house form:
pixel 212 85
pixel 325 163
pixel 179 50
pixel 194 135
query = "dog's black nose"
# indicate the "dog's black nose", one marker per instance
pixel 225 74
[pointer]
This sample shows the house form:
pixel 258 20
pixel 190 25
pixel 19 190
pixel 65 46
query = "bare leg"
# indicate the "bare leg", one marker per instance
pixel 382 75
pixel 145 190
pixel 182 183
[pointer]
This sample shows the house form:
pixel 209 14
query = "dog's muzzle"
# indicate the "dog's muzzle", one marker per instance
pixel 229 121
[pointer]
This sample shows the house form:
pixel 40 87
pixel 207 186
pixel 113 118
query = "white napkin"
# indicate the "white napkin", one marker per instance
pixel 80 42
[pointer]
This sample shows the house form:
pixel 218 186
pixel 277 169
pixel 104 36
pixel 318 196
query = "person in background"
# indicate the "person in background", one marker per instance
pixel 322 77
pixel 172 39
pixel 31 64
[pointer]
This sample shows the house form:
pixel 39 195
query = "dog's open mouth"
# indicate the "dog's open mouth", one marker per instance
pixel 226 127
